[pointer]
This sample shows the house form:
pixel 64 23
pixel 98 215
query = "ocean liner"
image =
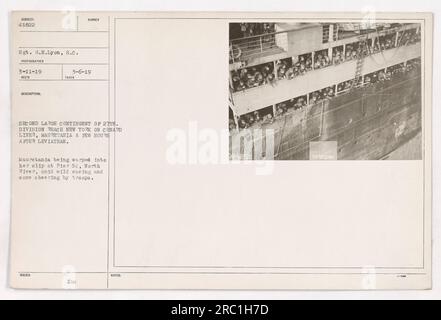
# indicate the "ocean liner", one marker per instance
pixel 353 90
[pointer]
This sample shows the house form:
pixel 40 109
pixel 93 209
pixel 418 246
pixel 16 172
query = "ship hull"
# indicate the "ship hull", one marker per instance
pixel 367 124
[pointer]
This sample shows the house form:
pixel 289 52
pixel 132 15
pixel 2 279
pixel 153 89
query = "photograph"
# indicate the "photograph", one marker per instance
pixel 325 91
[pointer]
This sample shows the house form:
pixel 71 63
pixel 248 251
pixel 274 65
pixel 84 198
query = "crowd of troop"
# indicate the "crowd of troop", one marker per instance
pixel 257 117
pixel 321 59
pixel 403 68
pixel 252 29
pixel 379 75
pixel 292 67
pixel 288 68
pixel 347 85
pixel 290 105
pixel 319 95
pixel 356 50
pixel 269 114
pixel 252 77
pixel 338 55
pixel 409 37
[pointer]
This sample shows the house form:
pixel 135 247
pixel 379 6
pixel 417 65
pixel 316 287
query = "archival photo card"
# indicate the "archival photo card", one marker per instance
pixel 129 171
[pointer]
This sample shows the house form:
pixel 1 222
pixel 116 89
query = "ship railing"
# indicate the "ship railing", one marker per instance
pixel 371 51
pixel 242 49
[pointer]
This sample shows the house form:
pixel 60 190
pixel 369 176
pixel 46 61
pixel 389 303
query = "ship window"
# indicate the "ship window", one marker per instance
pixel 387 41
pixel 346 85
pixel 358 81
pixel 301 65
pixel 321 59
pixel 282 108
pixel 284 68
pixel 319 95
pixel 299 102
pixel 265 112
pixel 290 105
pixel 325 33
pixel 351 51
pixel 413 64
pixel 258 117
pixel 335 32
pixel 409 37
pixel 397 68
pixel 342 86
pixel 372 77
pixel 337 55
pixel 251 77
